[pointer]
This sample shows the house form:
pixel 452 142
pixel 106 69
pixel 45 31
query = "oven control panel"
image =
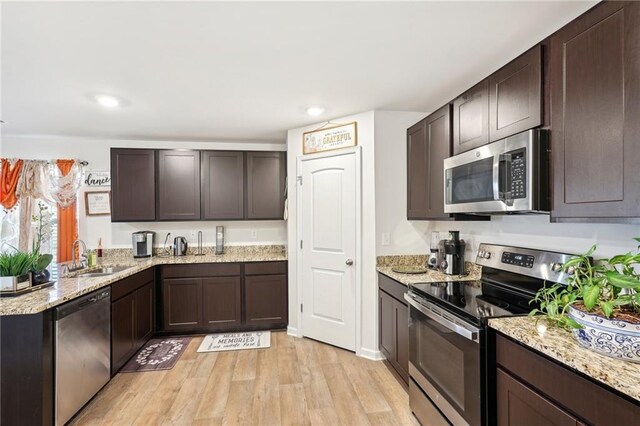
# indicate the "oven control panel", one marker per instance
pixel 518 259
pixel 542 264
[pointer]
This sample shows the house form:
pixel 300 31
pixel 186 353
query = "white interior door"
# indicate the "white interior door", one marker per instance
pixel 329 249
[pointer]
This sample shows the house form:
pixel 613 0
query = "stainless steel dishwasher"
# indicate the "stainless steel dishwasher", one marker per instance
pixel 82 351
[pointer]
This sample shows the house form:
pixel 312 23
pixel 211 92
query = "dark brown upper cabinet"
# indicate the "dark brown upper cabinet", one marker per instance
pixel 222 185
pixel 471 118
pixel 178 185
pixel 417 170
pixel 133 185
pixel 183 185
pixel 266 172
pixel 515 96
pixel 595 140
pixel 428 144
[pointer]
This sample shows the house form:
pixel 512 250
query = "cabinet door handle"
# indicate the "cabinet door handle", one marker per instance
pixel 349 262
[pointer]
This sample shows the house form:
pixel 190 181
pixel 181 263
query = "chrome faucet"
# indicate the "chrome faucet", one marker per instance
pixel 83 261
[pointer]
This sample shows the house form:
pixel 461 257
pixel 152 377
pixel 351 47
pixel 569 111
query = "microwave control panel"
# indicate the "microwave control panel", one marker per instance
pixel 518 259
pixel 518 174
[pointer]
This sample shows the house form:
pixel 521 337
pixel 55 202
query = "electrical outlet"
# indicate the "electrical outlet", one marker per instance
pixel 254 234
pixel 193 234
pixel 386 239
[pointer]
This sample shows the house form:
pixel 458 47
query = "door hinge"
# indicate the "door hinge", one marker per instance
pixel 301 308
pixel 299 178
pixel 300 243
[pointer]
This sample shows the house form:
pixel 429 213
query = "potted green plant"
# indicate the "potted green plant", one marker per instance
pixel 600 304
pixel 15 270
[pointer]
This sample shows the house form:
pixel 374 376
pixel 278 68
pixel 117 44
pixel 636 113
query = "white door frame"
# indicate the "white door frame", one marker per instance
pixel 358 257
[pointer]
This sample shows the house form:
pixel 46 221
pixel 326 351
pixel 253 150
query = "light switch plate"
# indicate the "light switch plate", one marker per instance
pixel 386 239
pixel 254 234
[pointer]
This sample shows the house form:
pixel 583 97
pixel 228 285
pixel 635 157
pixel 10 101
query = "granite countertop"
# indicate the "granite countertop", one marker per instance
pixel 70 287
pixel 431 276
pixel 561 346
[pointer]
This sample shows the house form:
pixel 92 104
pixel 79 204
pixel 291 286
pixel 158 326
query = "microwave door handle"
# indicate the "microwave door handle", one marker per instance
pixel 450 325
pixel 496 178
pixel 504 179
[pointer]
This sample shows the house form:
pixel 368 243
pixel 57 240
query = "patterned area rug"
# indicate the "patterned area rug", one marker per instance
pixel 235 341
pixel 157 354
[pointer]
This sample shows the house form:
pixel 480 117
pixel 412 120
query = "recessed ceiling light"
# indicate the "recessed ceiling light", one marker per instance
pixel 315 110
pixel 108 101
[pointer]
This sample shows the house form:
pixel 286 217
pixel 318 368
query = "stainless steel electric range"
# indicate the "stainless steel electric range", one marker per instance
pixel 447 324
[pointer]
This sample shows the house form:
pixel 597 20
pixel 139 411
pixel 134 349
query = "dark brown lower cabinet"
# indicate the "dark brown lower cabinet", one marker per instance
pixel 26 369
pixel 393 324
pixel 181 299
pixel 388 325
pixel 131 316
pixel 122 334
pixel 520 405
pixel 220 297
pixel 531 389
pixel 144 313
pixel 221 302
pixel 266 300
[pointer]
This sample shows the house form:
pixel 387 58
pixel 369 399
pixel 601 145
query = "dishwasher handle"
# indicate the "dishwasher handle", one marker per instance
pixel 81 303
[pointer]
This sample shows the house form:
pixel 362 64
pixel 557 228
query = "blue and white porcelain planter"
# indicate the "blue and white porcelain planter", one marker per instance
pixel 610 337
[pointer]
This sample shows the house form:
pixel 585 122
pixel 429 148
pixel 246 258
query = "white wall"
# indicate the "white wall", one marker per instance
pixel 412 237
pixel 391 182
pixel 118 235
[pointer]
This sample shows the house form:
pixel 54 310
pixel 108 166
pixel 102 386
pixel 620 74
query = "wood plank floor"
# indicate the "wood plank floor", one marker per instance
pixel 294 382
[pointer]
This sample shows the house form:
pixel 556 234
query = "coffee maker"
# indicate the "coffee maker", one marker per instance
pixel 453 254
pixel 142 242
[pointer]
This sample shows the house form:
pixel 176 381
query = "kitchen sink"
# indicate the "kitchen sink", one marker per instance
pixel 101 272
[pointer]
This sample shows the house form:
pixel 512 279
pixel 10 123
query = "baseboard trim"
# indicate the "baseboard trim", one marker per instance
pixel 370 354
pixel 293 331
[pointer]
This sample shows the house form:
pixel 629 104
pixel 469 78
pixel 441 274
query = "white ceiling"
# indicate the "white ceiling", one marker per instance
pixel 246 71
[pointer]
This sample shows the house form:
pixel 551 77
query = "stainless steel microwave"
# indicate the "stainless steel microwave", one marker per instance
pixel 507 176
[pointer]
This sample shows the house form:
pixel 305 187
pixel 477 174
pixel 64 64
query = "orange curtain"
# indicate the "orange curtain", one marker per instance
pixel 9 182
pixel 67 220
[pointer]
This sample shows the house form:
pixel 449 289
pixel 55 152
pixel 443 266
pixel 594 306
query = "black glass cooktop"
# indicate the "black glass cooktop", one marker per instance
pixel 474 300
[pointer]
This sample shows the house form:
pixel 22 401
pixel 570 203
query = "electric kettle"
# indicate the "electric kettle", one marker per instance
pixel 180 246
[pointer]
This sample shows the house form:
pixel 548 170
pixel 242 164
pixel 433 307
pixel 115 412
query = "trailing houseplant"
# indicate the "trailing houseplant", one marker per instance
pixel 600 303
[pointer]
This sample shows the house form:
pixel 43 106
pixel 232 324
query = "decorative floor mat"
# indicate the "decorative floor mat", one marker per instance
pixel 235 341
pixel 157 354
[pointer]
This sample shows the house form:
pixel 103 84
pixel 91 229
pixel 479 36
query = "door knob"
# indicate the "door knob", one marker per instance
pixel 349 262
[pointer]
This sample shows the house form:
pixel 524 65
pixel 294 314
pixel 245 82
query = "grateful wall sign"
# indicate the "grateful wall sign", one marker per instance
pixel 330 138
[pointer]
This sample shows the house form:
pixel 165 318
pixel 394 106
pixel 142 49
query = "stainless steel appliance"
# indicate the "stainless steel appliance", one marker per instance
pixel 82 351
pixel 199 252
pixel 219 239
pixel 142 242
pixel 180 246
pixel 433 261
pixel 507 176
pixel 447 323
pixel 453 257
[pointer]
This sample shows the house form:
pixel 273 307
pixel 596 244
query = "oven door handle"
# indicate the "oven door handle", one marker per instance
pixel 468 332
